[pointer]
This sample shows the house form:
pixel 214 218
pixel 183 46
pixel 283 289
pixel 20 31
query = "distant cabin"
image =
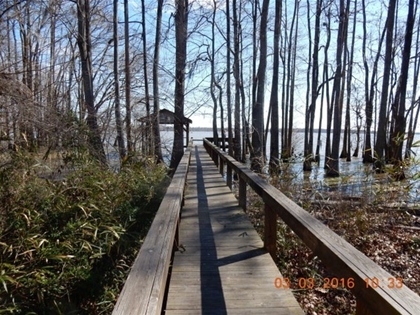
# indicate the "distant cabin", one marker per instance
pixel 166 117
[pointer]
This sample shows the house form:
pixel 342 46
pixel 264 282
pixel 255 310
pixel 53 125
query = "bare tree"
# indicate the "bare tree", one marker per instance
pixel 357 108
pixel 236 73
pixel 369 88
pixel 382 121
pixel 156 96
pixel 339 79
pixel 274 98
pixel 257 155
pixel 149 128
pixel 85 47
pixel 213 73
pixel 399 122
pixel 228 81
pixel 181 34
pixel 325 95
pixel 414 109
pixel 118 120
pixel 345 153
pixel 292 87
pixel 127 78
pixel 310 112
pixel 326 91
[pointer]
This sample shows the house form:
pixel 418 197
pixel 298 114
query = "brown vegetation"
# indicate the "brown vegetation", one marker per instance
pixel 391 238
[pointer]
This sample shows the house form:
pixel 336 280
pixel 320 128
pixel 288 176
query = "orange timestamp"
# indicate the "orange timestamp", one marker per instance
pixel 391 282
pixel 310 283
pixel 334 283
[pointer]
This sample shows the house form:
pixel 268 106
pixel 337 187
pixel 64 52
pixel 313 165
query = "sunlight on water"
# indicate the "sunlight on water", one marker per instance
pixel 357 181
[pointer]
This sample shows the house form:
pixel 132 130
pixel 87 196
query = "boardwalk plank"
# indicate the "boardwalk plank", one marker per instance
pixel 222 267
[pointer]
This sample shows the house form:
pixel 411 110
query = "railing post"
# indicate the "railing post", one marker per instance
pixel 242 193
pixel 229 176
pixel 221 166
pixel 270 231
pixel 215 157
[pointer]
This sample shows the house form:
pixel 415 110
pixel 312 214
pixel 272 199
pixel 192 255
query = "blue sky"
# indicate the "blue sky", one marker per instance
pixel 198 82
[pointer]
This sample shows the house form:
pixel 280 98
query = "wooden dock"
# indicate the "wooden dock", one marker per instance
pixel 203 256
pixel 221 266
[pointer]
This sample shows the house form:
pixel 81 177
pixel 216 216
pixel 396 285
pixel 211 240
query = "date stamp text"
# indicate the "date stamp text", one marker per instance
pixel 335 283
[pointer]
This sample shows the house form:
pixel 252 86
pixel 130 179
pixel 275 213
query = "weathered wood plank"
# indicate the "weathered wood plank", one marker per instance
pixel 223 267
pixel 337 254
pixel 144 289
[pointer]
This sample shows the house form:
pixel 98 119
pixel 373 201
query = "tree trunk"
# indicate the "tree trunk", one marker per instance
pixel 149 125
pixel 257 157
pixel 53 137
pixel 414 114
pixel 118 121
pixel 292 82
pixel 84 42
pixel 307 153
pixel 274 100
pixel 236 74
pixel 181 34
pixel 213 74
pixel 156 95
pixel 346 136
pixel 368 154
pixel 399 119
pixel 326 88
pixel 245 124
pixel 254 61
pixel 285 146
pixel 228 81
pixel 382 122
pixel 333 161
pixel 25 123
pixel 310 114
pixel 359 119
pixel 6 134
pixel 222 116
pixel 346 153
pixel 127 79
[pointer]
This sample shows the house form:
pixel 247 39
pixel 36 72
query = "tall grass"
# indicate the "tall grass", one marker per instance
pixel 66 246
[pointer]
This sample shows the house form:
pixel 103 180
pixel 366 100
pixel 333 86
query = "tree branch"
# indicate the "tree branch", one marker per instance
pixel 11 7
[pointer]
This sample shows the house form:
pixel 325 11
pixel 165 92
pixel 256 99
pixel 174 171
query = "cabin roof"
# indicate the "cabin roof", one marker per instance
pixel 166 117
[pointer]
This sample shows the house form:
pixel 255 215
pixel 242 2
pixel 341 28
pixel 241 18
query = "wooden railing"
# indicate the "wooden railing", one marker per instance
pixel 348 264
pixel 144 289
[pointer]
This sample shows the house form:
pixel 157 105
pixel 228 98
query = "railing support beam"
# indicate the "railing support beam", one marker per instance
pixel 221 167
pixel 270 231
pixel 242 193
pixel 229 176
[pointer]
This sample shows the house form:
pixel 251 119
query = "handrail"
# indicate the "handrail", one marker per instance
pixel 144 290
pixel 340 257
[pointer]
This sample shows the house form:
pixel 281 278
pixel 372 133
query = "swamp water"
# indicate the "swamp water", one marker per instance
pixel 357 181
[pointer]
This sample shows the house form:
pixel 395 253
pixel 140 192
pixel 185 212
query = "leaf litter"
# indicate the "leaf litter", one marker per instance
pixel 387 234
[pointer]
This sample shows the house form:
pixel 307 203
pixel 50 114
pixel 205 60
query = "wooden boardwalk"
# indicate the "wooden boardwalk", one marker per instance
pixel 221 267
